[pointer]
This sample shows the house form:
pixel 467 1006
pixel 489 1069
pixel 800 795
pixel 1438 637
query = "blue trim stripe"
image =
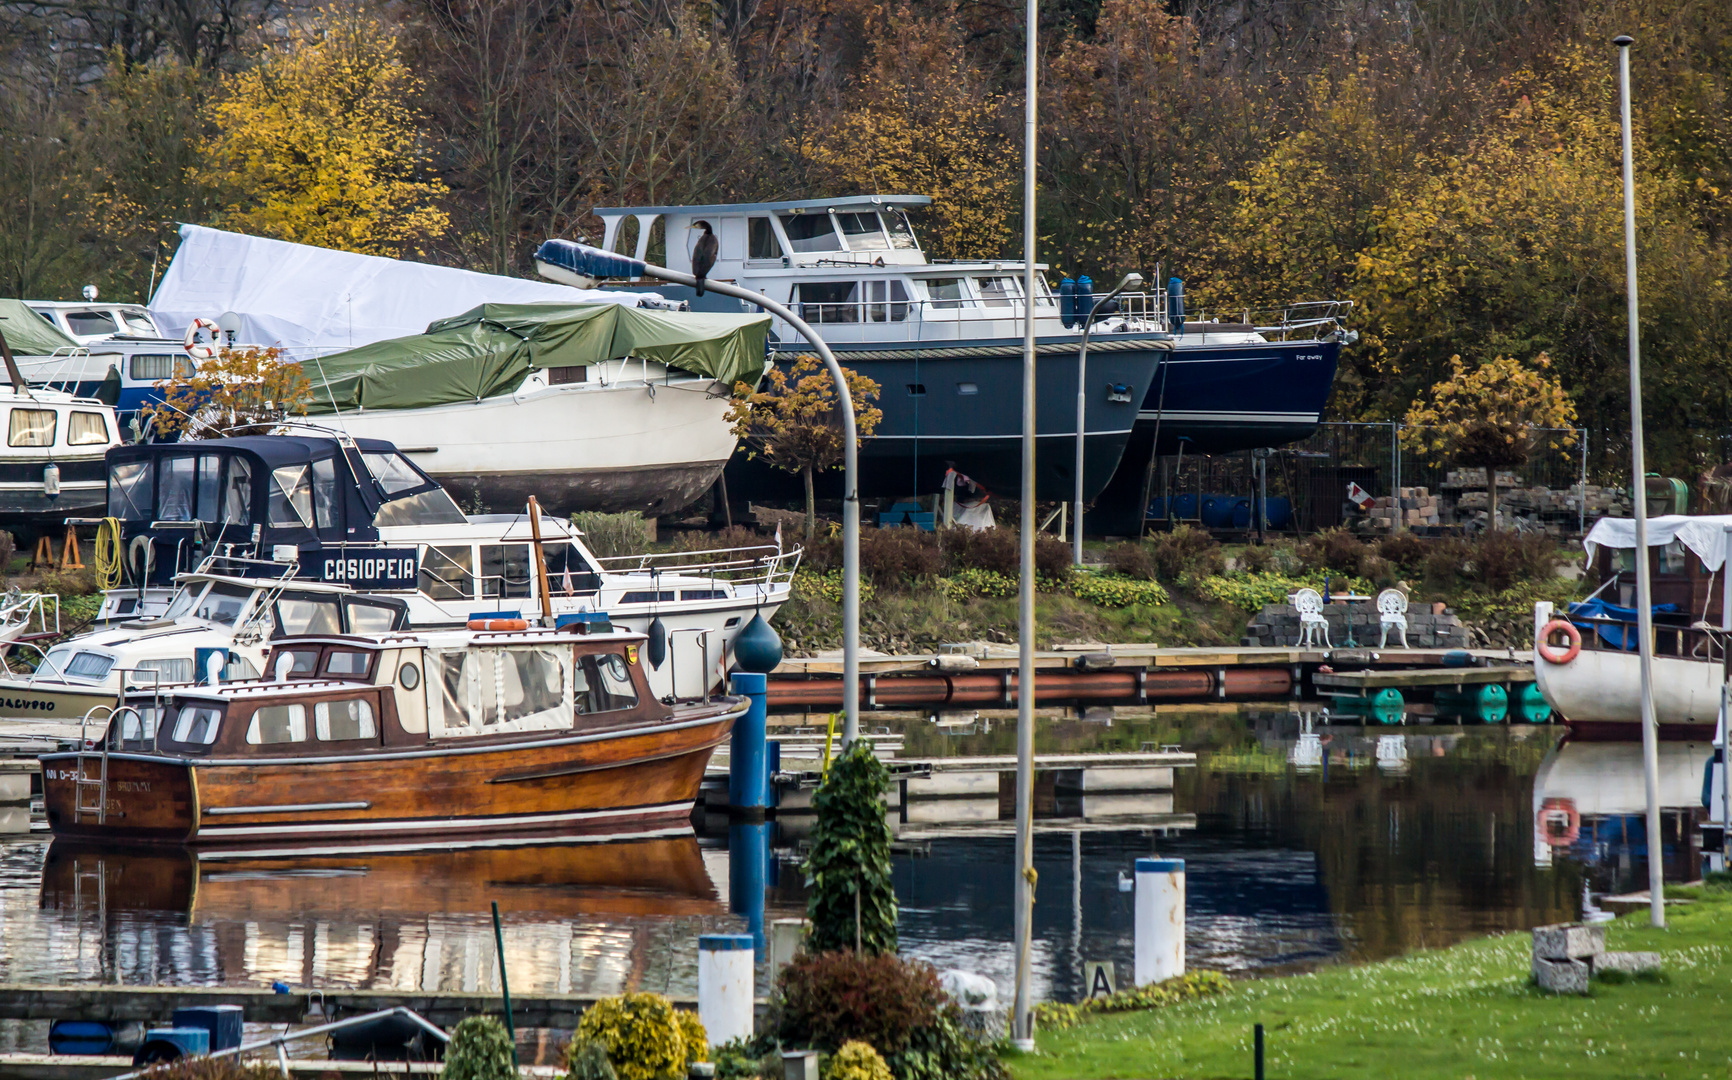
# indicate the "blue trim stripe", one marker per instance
pixel 1160 866
pixel 724 942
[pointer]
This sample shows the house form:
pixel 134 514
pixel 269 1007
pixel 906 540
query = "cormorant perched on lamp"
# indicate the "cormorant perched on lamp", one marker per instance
pixel 704 255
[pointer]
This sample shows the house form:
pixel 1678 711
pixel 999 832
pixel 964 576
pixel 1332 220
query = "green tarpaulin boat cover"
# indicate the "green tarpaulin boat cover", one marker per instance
pixel 28 333
pixel 489 350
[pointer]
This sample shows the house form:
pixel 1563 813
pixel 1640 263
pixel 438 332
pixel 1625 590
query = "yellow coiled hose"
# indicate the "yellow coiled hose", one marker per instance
pixel 109 570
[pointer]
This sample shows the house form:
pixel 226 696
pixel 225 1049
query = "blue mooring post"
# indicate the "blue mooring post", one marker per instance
pixel 748 772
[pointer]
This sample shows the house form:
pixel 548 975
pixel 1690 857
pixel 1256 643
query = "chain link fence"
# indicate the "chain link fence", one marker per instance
pixel 1308 485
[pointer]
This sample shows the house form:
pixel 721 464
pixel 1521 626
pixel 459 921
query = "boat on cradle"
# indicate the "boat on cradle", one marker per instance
pixel 1590 671
pixel 585 406
pixel 51 462
pixel 357 513
pixel 395 739
pixel 225 619
pixel 944 341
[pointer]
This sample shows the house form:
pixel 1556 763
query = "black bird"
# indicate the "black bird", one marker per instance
pixel 704 255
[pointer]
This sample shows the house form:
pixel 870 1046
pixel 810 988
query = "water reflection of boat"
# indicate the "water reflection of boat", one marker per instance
pixel 659 876
pixel 1589 798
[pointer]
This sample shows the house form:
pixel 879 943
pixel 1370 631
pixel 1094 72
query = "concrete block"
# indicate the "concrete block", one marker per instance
pixel 1628 963
pixel 1568 941
pixel 1562 976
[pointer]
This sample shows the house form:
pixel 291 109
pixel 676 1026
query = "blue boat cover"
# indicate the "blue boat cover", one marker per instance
pixel 1617 638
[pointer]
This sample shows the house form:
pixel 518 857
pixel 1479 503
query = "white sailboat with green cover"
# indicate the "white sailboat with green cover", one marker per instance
pixel 585 406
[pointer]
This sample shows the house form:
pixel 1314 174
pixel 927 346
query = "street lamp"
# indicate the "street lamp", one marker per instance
pixel 1129 281
pixel 1639 507
pixel 586 266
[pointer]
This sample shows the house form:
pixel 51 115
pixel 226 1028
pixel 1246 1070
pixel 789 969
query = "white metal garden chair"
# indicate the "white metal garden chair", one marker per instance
pixel 1309 604
pixel 1392 614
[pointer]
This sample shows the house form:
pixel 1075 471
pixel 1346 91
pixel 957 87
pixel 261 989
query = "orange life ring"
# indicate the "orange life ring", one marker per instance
pixel 498 624
pixel 1551 655
pixel 1559 822
pixel 205 350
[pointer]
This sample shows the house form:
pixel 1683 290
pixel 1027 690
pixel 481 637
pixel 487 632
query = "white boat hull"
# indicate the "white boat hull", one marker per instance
pixel 1605 687
pixel 652 446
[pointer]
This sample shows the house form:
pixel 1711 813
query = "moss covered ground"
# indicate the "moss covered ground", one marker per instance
pixel 1465 1013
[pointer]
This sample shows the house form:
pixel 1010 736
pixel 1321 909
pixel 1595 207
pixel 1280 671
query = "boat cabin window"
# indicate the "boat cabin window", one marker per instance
pixel 90 323
pixel 861 232
pixel 130 491
pixel 901 233
pixel 291 499
pixel 86 429
pixel 877 292
pixel 946 292
pixel 31 427
pixel 238 668
pixel 223 603
pixel 430 507
pixel 138 725
pixel 811 232
pixel 153 367
pixel 998 291
pixel 1673 558
pixel 342 721
pixel 309 615
pixel 326 510
pixel 480 691
pixel 761 239
pixel 184 600
pixel 505 570
pixel 445 572
pixel 302 661
pixel 273 724
pixel 78 665
pixel 238 492
pixel 568 572
pixel 138 321
pixel 604 683
pixel 345 662
pixel 197 725
pixel 175 498
pixel 367 617
pixel 830 301
pixel 149 673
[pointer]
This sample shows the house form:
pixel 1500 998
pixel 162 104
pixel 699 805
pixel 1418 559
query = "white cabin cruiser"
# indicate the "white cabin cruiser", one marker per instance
pixel 357 513
pixel 51 464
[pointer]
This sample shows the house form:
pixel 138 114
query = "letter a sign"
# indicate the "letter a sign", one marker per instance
pixel 1097 979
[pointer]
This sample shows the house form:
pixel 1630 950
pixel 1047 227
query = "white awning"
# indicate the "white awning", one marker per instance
pixel 311 300
pixel 1706 536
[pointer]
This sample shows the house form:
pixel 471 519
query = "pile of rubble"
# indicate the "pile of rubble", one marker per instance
pixel 1411 507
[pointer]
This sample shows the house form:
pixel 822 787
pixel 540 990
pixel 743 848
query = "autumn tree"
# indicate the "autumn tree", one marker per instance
pixel 1492 417
pixel 320 143
pixel 794 424
pixel 238 392
pixel 923 123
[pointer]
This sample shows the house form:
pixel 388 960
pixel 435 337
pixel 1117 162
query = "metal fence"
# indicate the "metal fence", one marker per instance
pixel 1307 484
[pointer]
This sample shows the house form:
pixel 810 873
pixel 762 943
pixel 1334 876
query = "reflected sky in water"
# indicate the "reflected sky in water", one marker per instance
pixel 1305 844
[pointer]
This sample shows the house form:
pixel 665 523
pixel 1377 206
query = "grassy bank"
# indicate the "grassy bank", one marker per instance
pixel 1461 1013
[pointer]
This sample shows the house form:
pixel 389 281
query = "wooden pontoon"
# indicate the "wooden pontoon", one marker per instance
pixel 396 739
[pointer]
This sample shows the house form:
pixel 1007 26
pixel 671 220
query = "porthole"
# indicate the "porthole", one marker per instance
pixel 409 676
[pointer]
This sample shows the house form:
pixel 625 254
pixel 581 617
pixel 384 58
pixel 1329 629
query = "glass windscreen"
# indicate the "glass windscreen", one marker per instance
pixel 811 232
pixel 291 496
pixel 430 507
pixel 223 603
pixel 901 233
pixel 130 490
pixel 861 233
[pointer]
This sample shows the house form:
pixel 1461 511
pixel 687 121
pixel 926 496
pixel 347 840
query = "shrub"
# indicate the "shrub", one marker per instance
pixel 1132 560
pixel 1192 984
pixel 1258 560
pixel 644 1036
pixel 480 1049
pixel 830 998
pixel 8 548
pixel 965 584
pixel 856 1060
pixel 894 556
pixel 1116 592
pixel 1494 561
pixel 1186 550
pixel 1333 549
pixel 697 542
pixel 749 1059
pixel 610 535
pixel 1406 551
pixel 1252 592
pixel 827 584
pixel 852 902
pixel 586 1059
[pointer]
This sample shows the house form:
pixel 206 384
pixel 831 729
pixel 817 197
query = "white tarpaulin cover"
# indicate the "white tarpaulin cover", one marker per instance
pixel 312 299
pixel 1706 536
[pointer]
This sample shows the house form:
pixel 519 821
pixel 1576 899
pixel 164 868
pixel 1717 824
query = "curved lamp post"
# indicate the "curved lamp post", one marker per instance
pixel 583 263
pixel 1129 281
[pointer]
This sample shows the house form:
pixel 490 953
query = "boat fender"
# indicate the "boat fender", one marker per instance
pixel 498 624
pixel 1095 661
pixel 757 647
pixel 1550 653
pixel 203 350
pixel 133 559
pixel 954 662
pixel 1560 823
pixel 658 642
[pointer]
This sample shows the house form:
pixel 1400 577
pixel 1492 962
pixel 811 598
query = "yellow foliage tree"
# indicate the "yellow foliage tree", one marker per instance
pixel 1492 417
pixel 922 125
pixel 320 144
pixel 240 391
pixel 794 424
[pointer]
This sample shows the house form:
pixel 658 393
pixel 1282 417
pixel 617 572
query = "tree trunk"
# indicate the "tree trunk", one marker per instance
pixel 811 504
pixel 1491 498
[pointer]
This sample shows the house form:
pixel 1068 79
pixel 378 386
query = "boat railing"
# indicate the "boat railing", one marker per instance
pixel 8 646
pixel 18 609
pixel 279 1042
pixel 48 370
pixel 1672 637
pixel 741 567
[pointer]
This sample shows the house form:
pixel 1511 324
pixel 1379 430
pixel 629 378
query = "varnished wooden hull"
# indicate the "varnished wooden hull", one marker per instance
pixel 624 780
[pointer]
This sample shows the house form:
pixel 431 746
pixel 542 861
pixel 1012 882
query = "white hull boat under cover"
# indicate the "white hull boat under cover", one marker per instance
pixel 1604 686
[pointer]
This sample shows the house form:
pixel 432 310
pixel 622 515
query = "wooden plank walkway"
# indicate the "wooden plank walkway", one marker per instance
pixel 1413 678
pixel 1004 657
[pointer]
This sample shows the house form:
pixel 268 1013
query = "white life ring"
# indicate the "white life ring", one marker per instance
pixel 203 350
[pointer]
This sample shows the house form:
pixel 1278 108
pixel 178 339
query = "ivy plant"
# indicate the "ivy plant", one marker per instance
pixel 852 902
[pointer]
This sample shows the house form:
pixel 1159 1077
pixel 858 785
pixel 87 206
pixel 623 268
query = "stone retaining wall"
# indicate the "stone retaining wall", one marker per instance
pixel 1278 625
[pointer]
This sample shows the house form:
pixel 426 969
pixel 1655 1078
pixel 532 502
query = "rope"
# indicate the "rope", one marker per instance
pixel 108 564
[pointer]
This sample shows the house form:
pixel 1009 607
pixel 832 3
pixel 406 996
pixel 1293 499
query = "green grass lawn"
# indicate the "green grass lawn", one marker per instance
pixel 1463 1012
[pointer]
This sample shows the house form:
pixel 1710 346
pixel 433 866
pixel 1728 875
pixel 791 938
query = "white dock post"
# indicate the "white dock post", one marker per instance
pixel 725 985
pixel 1160 915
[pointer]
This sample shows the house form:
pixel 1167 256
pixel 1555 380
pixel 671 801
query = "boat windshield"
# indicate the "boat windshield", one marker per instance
pixel 138 321
pixel 72 663
pixel 861 232
pixel 184 600
pixel 223 603
pixel 811 232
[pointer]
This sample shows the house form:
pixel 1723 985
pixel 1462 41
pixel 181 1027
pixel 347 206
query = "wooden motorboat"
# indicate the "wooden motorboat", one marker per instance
pixel 400 738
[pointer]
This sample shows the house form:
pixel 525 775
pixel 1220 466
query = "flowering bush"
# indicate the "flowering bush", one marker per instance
pixel 1111 590
pixel 856 1060
pixel 646 1038
pixel 1192 984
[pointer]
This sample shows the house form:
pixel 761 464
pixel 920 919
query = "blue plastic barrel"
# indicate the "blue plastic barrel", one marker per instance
pixel 1220 511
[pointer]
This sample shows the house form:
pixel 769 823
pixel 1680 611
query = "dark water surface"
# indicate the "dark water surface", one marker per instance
pixel 1304 843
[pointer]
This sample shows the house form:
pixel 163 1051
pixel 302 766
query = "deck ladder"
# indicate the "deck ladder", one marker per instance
pixel 84 786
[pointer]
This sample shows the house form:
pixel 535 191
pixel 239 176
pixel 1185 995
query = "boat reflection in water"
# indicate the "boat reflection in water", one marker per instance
pixel 578 917
pixel 1590 802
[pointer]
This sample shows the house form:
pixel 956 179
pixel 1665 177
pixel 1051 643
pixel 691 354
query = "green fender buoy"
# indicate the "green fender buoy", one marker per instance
pixel 1388 706
pixel 1531 704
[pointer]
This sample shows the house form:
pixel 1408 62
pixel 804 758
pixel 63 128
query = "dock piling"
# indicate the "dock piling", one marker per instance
pixel 1160 918
pixel 748 777
pixel 725 972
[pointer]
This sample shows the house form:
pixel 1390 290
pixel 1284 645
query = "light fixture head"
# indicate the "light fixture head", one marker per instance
pixel 90 292
pixel 1623 41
